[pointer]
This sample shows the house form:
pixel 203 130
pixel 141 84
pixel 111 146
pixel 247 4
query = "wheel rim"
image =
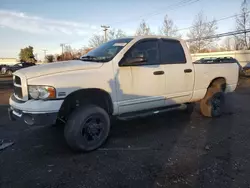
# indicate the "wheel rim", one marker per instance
pixel 216 105
pixel 93 129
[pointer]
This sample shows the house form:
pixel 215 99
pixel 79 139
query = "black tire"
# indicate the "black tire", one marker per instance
pixel 217 104
pixel 87 128
pixel 212 104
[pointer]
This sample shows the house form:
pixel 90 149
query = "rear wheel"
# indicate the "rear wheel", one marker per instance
pixel 217 102
pixel 87 128
pixel 212 104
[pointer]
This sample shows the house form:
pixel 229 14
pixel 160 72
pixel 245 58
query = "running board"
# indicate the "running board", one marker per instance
pixel 150 112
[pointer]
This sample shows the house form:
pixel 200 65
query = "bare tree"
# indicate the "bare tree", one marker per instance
pixel 242 24
pixel 115 34
pixel 143 29
pixel 201 28
pixel 228 44
pixel 97 40
pixel 67 48
pixel 169 28
pixel 50 58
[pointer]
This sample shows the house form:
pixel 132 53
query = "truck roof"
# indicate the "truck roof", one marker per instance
pixel 152 36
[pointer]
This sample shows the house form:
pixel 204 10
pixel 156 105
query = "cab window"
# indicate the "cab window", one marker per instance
pixel 147 49
pixel 172 52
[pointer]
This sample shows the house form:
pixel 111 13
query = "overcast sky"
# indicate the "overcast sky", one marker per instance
pixel 44 24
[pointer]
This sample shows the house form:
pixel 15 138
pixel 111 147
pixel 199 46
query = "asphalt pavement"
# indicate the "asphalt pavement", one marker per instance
pixel 167 150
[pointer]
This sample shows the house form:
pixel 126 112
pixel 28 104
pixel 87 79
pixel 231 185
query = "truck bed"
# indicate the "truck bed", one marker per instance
pixel 206 71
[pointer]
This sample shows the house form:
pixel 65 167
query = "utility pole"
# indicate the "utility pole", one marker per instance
pixel 36 57
pixel 45 54
pixel 62 45
pixel 105 29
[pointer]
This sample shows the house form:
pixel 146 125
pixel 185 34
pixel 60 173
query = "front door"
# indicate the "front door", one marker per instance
pixel 141 85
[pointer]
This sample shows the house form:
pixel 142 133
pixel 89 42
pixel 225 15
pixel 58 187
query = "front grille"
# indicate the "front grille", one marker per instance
pixel 18 87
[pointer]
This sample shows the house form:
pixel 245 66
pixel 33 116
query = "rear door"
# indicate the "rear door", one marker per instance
pixel 179 72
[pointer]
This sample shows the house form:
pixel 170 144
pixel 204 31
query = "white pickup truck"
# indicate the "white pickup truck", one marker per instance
pixel 125 78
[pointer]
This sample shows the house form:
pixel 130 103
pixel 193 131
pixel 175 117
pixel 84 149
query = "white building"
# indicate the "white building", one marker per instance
pixel 8 61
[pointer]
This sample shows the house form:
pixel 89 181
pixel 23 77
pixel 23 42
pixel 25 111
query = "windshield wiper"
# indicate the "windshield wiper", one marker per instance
pixel 88 57
pixel 94 58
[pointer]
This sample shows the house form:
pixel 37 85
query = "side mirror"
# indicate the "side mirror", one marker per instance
pixel 136 60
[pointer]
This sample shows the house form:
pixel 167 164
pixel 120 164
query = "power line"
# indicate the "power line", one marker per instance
pixel 220 35
pixel 179 4
pixel 170 7
pixel 173 6
pixel 184 4
pixel 225 18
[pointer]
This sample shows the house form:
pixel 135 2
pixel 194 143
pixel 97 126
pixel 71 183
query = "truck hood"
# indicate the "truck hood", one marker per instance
pixel 57 67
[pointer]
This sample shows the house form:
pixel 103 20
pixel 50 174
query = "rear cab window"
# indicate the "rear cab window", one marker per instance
pixel 171 52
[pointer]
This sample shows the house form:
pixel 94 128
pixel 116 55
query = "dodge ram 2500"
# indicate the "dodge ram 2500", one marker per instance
pixel 125 78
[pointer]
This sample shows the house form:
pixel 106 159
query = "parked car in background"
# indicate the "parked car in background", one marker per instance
pixel 9 69
pixel 246 70
pixel 1 66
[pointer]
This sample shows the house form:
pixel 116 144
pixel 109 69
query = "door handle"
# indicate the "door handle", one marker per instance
pixel 188 70
pixel 158 72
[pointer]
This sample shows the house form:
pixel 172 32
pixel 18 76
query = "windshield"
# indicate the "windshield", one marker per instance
pixel 106 51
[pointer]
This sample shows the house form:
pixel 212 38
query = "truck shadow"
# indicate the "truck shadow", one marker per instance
pixel 206 159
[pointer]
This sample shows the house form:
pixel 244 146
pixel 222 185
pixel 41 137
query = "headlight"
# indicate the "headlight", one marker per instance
pixel 42 92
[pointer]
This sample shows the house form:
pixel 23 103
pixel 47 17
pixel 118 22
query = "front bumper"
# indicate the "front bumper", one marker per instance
pixel 34 112
pixel 32 119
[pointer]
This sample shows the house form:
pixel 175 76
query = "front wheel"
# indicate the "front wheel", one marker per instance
pixel 87 128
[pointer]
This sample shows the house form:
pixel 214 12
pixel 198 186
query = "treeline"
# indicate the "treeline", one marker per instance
pixel 68 54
